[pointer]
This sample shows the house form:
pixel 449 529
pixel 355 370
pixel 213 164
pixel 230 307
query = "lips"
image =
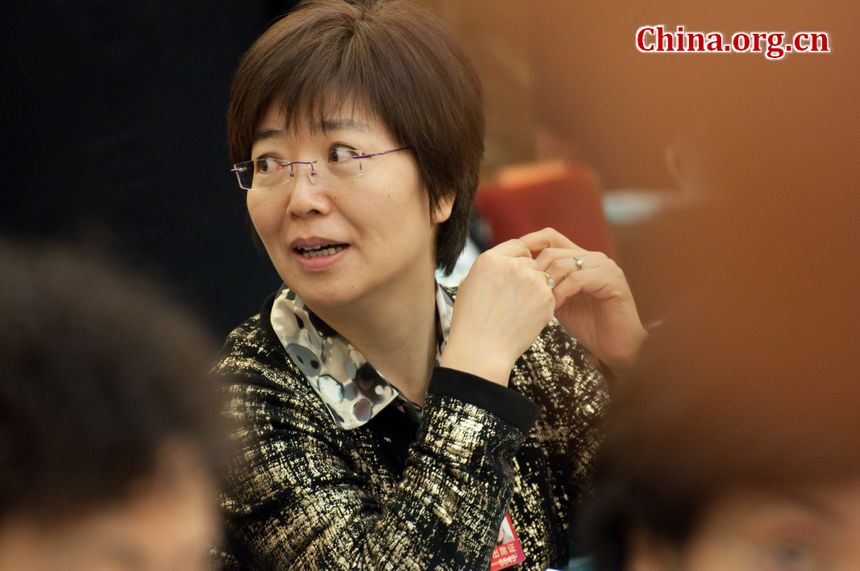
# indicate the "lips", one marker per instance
pixel 317 246
pixel 314 242
pixel 316 253
pixel 321 251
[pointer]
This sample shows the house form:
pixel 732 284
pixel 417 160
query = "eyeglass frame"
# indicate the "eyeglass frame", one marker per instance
pixel 237 169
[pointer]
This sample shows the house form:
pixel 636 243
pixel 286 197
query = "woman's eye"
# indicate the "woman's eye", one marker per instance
pixel 267 165
pixel 340 154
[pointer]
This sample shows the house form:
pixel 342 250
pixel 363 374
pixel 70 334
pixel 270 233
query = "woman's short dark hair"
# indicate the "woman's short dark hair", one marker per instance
pixel 384 56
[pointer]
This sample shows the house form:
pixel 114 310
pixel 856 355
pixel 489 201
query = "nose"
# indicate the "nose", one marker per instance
pixel 307 196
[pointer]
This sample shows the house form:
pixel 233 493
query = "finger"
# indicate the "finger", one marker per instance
pixel 603 282
pixel 514 248
pixel 560 268
pixel 548 238
pixel 525 266
pixel 549 281
pixel 550 256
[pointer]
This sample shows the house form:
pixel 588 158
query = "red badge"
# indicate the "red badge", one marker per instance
pixel 508 550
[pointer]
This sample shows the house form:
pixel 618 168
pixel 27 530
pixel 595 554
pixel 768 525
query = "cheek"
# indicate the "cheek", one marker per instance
pixel 264 214
pixel 407 198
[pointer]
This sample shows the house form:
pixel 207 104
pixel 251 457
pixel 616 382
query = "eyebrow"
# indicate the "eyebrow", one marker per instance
pixel 327 124
pixel 341 124
pixel 262 134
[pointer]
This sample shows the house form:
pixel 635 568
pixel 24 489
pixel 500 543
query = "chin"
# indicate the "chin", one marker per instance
pixel 323 293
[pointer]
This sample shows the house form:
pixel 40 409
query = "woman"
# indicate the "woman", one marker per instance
pixel 359 129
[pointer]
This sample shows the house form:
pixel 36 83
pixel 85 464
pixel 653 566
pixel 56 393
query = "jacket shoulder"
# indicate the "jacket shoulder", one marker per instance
pixel 253 365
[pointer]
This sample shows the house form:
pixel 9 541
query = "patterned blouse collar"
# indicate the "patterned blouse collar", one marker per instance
pixel 351 389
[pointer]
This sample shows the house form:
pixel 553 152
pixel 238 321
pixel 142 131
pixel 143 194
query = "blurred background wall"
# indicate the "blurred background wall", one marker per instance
pixel 114 136
pixel 571 67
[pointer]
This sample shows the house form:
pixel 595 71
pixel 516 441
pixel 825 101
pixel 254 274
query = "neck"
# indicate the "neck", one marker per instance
pixel 395 329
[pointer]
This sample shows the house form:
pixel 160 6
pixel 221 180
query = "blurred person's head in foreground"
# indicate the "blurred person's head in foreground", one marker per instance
pixel 108 430
pixel 736 442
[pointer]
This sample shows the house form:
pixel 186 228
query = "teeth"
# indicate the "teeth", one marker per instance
pixel 320 252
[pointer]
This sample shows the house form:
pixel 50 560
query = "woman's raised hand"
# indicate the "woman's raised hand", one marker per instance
pixel 502 305
pixel 592 298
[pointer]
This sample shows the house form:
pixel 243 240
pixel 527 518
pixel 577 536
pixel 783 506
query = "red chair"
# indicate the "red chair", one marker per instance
pixel 528 198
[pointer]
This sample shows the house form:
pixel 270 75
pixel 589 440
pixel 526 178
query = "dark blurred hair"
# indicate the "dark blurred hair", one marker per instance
pixel 100 374
pixel 389 58
pixel 751 382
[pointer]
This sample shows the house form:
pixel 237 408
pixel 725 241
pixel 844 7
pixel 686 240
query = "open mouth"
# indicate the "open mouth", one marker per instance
pixel 321 251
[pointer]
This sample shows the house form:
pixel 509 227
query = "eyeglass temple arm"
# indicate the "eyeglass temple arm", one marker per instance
pixel 371 155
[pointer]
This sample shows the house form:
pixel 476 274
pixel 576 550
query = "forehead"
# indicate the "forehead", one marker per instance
pixel 320 120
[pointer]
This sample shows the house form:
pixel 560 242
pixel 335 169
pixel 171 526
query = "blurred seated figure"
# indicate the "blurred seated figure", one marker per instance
pixel 108 439
pixel 735 444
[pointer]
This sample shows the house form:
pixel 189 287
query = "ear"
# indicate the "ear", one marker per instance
pixel 442 212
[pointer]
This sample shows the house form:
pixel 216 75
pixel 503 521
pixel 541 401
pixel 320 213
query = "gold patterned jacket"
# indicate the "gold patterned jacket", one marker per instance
pixel 405 491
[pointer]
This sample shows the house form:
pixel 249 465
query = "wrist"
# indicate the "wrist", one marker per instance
pixel 477 362
pixel 620 365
